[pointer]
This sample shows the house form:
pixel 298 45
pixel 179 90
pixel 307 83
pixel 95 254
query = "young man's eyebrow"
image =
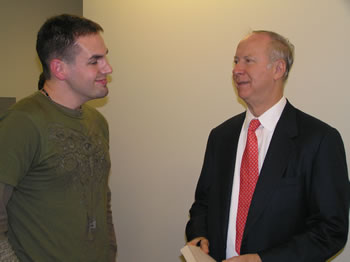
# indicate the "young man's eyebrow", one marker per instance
pixel 96 57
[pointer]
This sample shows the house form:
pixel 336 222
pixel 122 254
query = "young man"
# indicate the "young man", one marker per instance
pixel 278 190
pixel 54 157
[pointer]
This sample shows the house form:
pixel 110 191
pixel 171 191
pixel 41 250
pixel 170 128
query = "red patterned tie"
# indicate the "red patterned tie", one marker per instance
pixel 249 177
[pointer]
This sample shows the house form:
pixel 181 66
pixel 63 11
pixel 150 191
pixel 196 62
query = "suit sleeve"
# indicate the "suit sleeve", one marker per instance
pixel 327 194
pixel 197 225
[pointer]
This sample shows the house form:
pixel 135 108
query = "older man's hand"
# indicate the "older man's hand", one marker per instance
pixel 204 243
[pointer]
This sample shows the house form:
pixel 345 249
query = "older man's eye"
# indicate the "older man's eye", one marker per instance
pixel 249 60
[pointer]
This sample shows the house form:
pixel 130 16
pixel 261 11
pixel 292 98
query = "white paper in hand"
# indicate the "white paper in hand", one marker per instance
pixel 195 254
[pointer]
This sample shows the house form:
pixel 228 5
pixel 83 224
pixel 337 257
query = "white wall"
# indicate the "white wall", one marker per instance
pixel 172 83
pixel 20 21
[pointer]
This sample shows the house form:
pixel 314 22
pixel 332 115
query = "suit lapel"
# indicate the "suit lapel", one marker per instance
pixel 275 163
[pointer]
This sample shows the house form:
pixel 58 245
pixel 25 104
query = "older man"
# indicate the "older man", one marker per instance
pixel 274 184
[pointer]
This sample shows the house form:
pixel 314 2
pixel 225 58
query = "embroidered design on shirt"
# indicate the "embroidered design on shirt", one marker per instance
pixel 84 160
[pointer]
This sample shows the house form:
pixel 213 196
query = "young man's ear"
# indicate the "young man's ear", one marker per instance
pixel 280 69
pixel 58 68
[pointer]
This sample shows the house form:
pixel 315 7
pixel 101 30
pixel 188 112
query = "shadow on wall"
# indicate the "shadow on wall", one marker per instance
pixel 347 2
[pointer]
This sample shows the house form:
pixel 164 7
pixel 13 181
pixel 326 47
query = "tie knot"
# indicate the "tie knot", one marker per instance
pixel 254 124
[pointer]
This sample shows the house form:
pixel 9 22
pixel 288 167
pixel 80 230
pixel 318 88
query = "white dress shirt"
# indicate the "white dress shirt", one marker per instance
pixel 264 134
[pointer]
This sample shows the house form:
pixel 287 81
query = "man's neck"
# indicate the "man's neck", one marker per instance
pixel 60 95
pixel 259 109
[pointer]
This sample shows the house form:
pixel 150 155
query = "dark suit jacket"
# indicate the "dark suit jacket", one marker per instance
pixel 300 207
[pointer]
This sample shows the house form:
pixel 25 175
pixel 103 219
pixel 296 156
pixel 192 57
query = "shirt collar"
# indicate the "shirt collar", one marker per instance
pixel 269 118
